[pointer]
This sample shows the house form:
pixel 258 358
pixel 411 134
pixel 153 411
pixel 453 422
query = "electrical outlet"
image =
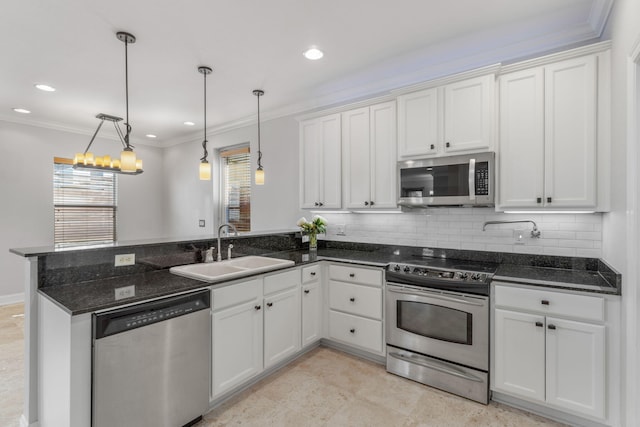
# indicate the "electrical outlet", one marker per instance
pixel 125 259
pixel 519 236
pixel 341 229
pixel 125 292
pixel 201 223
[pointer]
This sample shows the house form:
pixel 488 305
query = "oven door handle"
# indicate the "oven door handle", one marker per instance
pixel 436 296
pixel 447 369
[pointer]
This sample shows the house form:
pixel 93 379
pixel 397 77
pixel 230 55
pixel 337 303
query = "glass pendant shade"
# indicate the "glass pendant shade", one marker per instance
pixel 205 171
pixel 128 161
pixel 259 176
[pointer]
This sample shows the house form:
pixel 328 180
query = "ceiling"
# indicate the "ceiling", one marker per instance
pixel 370 48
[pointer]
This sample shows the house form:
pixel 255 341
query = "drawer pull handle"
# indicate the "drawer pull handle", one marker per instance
pixel 544 302
pixel 539 324
pixel 352 330
pixel 269 304
pixel 352 274
pixel 352 299
pixel 551 326
pixel 257 307
pixel 313 273
pixel 306 291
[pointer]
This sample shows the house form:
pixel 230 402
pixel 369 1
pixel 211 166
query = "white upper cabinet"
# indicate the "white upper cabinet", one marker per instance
pixel 549 155
pixel 369 156
pixel 450 119
pixel 320 163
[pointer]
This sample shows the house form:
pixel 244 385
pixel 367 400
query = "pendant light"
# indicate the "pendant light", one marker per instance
pixel 259 178
pixel 205 166
pixel 128 162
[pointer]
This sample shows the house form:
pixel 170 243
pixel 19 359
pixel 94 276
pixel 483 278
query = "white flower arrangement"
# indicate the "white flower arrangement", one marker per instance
pixel 317 225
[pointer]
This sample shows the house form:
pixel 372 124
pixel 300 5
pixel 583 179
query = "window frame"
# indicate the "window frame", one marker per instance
pixel 223 154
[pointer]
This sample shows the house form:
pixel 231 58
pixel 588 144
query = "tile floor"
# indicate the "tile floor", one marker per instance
pixel 325 387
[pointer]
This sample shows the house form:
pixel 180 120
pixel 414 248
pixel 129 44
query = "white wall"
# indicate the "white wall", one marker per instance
pixel 26 192
pixel 274 205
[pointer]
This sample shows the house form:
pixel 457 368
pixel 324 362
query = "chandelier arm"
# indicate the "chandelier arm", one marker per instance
pixel 94 136
pixel 120 135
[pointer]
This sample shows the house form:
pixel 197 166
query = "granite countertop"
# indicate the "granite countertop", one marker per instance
pixel 93 295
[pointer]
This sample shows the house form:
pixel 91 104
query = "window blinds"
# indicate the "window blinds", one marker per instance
pixel 237 187
pixel 85 204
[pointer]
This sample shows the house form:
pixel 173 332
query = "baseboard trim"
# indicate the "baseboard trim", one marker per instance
pixel 11 299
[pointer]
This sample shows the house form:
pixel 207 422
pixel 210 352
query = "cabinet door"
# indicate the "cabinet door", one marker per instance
pixel 468 114
pixel 356 156
pixel 519 354
pixel 521 155
pixel 331 162
pixel 237 346
pixel 281 326
pixel 576 366
pixel 383 155
pixel 418 124
pixel 311 313
pixel 310 164
pixel 570 138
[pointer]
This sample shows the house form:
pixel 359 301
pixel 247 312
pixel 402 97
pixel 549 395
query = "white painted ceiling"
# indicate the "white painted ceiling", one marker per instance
pixel 371 46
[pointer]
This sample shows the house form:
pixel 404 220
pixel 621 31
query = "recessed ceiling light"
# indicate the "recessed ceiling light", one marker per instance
pixel 189 123
pixel 150 135
pixel 313 53
pixel 21 111
pixel 45 88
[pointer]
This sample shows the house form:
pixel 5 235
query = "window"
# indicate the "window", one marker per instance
pixel 84 204
pixel 236 187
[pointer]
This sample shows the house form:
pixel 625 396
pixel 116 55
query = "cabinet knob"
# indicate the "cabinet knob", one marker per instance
pixel 539 324
pixel 313 273
pixel 551 326
pixel 352 274
pixel 448 144
pixel 352 299
pixel 544 302
pixel 316 204
pixel 320 204
pixel 371 202
pixel 366 203
pixel 269 304
pixel 306 291
pixel 257 307
pixel 548 199
pixel 352 330
pixel 539 200
pixel 432 146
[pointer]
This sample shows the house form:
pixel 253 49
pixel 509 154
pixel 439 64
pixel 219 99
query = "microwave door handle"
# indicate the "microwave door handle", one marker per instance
pixel 472 179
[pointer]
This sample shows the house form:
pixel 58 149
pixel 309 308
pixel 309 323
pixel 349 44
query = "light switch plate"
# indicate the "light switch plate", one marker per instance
pixel 125 292
pixel 519 236
pixel 201 223
pixel 125 259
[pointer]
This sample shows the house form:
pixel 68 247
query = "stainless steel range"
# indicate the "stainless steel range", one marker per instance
pixel 437 324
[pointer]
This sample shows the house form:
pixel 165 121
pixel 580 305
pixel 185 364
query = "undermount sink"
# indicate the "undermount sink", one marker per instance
pixel 230 269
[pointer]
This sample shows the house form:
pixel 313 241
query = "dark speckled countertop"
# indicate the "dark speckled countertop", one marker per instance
pixel 93 295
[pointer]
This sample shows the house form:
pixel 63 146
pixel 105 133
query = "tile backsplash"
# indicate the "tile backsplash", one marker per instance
pixel 461 228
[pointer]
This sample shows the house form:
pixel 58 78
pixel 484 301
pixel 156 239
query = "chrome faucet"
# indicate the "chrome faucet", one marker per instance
pixel 229 226
pixel 534 233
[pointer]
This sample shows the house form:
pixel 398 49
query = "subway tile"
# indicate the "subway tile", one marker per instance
pixel 559 251
pixel 588 235
pixel 588 244
pixel 590 253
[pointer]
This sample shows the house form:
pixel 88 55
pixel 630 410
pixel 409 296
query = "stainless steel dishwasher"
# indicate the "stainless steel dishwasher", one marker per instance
pixel 151 363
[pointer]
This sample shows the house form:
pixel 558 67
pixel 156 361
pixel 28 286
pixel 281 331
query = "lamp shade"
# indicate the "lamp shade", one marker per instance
pixel 205 171
pixel 259 176
pixel 128 161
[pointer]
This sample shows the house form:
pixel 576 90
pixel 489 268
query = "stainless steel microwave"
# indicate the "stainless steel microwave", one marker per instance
pixel 466 180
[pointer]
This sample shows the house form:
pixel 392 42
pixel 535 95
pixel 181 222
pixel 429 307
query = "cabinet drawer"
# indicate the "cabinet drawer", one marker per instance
pixel 281 281
pixel 311 273
pixel 366 276
pixel 235 294
pixel 357 331
pixel 356 299
pixel 550 302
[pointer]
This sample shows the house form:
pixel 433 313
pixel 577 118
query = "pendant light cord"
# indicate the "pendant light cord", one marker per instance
pixel 259 151
pixel 126 86
pixel 204 142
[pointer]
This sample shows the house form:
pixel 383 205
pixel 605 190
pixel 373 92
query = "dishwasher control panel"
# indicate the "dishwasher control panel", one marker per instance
pixel 124 319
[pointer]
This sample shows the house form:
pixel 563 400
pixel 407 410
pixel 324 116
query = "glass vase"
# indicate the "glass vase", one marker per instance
pixel 313 242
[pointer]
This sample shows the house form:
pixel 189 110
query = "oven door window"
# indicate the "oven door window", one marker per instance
pixel 434 321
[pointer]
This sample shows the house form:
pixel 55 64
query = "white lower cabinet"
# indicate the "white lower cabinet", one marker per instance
pixel 312 303
pixel 281 326
pixel 355 307
pixel 545 357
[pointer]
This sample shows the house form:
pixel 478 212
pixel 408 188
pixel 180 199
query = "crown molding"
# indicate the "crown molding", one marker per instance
pixel 600 10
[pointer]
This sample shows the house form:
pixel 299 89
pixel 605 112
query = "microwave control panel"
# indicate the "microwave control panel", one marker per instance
pixel 482 179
